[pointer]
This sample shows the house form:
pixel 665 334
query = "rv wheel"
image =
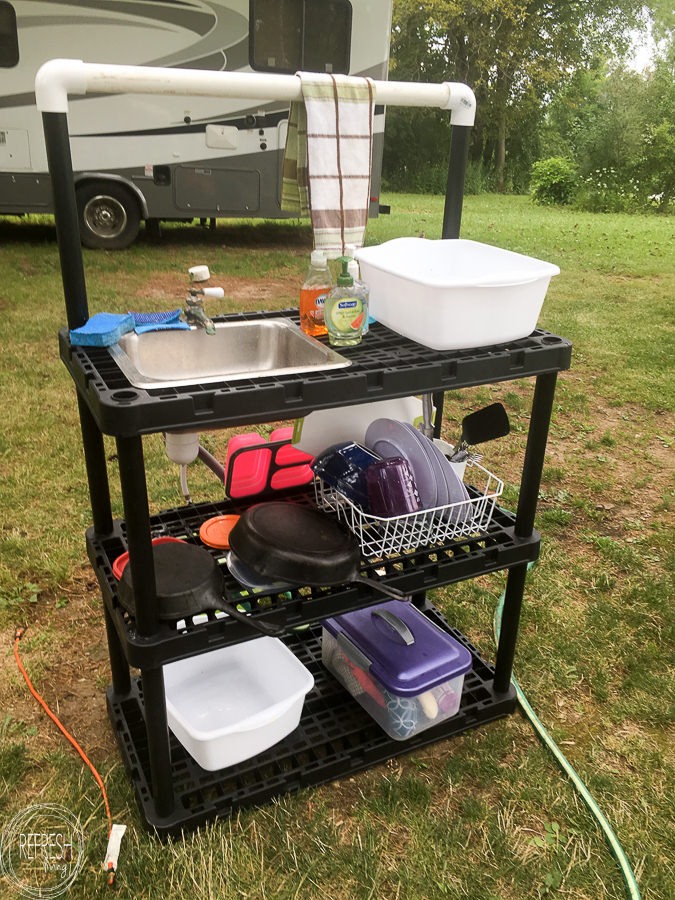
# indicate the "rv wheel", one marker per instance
pixel 109 216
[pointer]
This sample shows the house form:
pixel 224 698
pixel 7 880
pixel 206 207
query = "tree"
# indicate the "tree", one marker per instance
pixel 515 54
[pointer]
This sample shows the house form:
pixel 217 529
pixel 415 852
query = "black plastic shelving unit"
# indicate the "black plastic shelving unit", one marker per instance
pixel 336 736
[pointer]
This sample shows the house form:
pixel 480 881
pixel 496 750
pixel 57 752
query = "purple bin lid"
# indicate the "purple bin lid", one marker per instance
pixel 407 652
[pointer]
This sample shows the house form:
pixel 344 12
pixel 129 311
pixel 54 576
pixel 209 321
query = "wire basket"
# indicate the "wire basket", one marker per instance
pixel 380 537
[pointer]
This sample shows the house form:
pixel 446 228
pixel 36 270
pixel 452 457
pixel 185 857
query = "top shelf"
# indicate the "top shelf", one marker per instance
pixel 383 366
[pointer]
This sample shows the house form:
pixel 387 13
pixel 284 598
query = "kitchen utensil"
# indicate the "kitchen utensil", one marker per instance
pixel 388 438
pixel 301 545
pixel 188 581
pixel 324 427
pixel 442 496
pixel 485 424
pixel 232 703
pixel 215 532
pixel 453 294
pixel 391 488
pixel 343 467
pixel 123 559
pixel 410 663
pixel 252 580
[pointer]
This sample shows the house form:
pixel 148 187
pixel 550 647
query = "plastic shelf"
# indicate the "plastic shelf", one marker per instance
pixel 384 365
pixel 413 572
pixel 335 738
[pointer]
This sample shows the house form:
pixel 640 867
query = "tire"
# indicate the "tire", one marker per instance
pixel 108 214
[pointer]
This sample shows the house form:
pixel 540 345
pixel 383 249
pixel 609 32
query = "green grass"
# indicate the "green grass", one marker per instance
pixel 487 815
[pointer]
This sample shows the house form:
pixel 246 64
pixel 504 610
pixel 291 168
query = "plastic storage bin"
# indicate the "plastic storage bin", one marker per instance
pixel 402 669
pixel 230 704
pixel 454 294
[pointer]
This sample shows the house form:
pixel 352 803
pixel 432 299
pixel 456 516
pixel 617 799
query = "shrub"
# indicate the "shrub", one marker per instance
pixel 553 180
pixel 605 190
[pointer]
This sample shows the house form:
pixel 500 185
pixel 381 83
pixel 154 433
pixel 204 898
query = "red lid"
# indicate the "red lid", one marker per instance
pixel 121 561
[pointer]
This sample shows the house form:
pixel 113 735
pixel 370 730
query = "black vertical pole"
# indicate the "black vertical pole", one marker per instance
pixel 542 406
pixel 454 192
pixel 119 666
pixel 137 518
pixel 97 470
pixel 57 140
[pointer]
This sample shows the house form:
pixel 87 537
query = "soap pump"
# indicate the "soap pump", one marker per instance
pixel 345 309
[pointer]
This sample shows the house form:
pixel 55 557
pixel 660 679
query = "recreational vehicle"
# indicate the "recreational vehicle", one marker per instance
pixel 173 158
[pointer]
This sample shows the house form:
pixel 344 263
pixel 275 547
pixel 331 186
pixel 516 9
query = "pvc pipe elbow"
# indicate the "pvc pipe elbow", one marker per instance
pixel 55 80
pixel 461 103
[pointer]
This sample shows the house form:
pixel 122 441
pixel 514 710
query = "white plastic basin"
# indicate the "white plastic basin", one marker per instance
pixel 454 294
pixel 232 703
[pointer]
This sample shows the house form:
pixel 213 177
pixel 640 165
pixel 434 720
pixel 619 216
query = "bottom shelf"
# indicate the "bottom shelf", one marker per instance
pixel 335 738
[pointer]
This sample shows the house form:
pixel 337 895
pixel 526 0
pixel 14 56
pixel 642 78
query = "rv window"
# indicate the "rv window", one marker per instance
pixel 293 35
pixel 9 43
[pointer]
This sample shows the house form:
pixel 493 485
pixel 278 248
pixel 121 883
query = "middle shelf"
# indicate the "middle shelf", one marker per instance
pixel 412 572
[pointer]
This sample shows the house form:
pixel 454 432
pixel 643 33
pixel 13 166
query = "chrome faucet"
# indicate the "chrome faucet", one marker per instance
pixel 194 307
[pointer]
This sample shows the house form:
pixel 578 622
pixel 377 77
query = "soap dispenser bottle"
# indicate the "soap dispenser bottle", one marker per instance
pixel 345 309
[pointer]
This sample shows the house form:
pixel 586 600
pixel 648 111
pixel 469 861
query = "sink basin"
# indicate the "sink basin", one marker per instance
pixel 237 350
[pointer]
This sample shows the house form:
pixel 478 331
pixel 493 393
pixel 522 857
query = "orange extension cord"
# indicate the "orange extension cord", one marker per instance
pixel 17 637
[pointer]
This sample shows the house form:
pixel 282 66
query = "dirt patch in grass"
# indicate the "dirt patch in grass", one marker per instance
pixel 69 669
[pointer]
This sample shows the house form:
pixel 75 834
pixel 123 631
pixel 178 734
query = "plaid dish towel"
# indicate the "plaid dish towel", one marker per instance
pixel 326 170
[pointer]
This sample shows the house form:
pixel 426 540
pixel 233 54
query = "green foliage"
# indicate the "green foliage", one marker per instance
pixel 553 181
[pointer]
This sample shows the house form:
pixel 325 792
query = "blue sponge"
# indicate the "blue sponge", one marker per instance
pixel 102 330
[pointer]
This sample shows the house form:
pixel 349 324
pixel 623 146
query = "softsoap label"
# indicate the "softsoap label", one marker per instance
pixel 347 314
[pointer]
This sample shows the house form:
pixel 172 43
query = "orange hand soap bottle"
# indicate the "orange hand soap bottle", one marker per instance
pixel 317 285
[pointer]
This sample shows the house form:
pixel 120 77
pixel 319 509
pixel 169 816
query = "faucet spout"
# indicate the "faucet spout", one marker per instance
pixel 195 315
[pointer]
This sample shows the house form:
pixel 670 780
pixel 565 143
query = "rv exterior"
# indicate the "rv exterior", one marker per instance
pixel 160 157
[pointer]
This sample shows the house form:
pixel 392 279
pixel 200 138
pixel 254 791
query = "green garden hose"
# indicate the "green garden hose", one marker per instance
pixel 616 848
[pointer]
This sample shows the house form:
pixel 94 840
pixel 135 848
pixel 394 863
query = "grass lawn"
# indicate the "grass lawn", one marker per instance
pixel 487 815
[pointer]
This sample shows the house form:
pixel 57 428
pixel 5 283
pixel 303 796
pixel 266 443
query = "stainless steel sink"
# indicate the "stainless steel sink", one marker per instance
pixel 237 350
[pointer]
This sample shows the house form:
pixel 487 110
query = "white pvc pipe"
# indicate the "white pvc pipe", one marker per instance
pixel 58 78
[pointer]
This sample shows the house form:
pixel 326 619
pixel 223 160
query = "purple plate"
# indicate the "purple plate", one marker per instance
pixel 391 438
pixel 428 447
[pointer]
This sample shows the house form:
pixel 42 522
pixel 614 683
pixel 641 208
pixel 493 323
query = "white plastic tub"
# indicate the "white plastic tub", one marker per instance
pixel 230 704
pixel 453 294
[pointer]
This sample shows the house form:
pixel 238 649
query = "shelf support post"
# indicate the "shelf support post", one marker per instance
pixel 141 560
pixel 119 667
pixel 542 406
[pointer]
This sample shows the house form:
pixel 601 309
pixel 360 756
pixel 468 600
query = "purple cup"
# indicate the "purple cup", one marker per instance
pixel 391 488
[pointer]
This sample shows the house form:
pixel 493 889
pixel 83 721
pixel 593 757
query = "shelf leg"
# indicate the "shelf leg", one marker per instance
pixel 154 703
pixel 119 666
pixel 97 470
pixel 513 601
pixel 137 517
pixel 542 406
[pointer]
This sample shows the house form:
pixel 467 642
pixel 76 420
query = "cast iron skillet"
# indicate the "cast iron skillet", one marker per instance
pixel 188 581
pixel 301 545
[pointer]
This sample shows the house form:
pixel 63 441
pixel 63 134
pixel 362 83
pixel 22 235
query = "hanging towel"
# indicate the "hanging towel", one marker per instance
pixel 160 321
pixel 326 171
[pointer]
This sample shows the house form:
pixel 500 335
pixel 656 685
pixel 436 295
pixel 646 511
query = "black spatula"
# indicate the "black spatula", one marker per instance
pixel 483 425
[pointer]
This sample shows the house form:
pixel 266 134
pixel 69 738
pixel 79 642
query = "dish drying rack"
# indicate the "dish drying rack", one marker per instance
pixel 379 537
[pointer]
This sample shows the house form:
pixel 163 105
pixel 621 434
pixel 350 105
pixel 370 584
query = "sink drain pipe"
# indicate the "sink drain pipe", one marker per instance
pixel 632 890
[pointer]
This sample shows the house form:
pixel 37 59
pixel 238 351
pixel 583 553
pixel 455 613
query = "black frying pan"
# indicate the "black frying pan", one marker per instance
pixel 188 581
pixel 300 545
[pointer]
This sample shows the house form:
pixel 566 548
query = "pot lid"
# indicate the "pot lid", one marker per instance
pixel 408 653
